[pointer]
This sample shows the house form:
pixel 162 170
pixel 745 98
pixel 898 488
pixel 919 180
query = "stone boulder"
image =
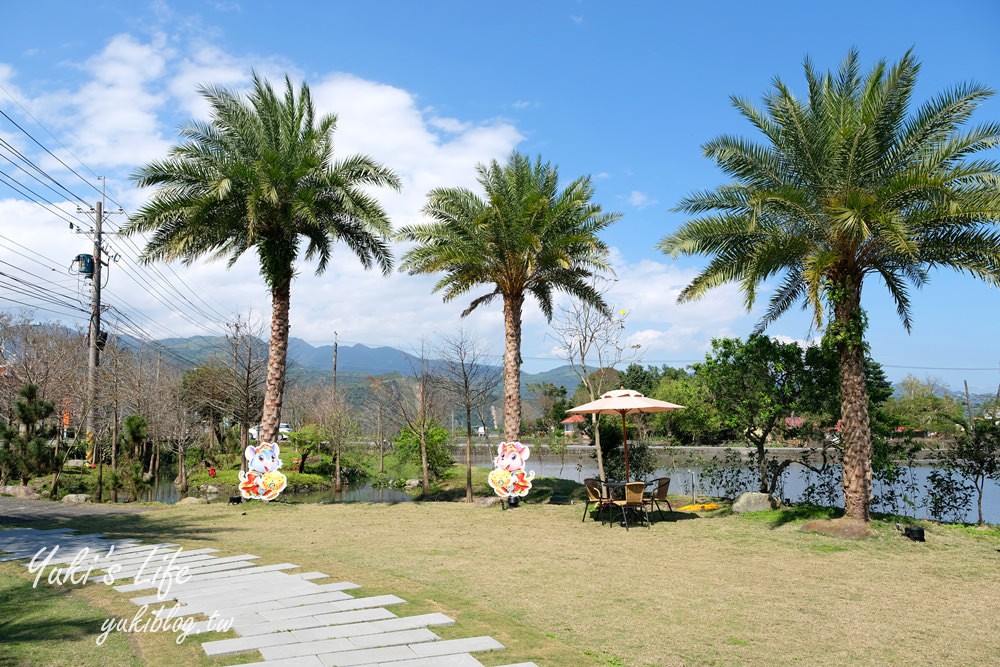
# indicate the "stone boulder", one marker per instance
pixel 413 483
pixel 754 502
pixel 76 498
pixel 191 500
pixel 19 492
pixel 212 490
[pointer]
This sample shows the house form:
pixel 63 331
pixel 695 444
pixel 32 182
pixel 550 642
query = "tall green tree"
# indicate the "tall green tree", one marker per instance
pixel 848 184
pixel 262 175
pixel 755 386
pixel 24 449
pixel 526 237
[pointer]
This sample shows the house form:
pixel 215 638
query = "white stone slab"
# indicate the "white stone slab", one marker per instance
pixel 193 590
pixel 240 644
pixel 321 610
pixel 351 630
pixel 367 656
pixel 372 627
pixel 239 600
pixel 408 637
pixel 343 617
pixel 307 648
pixel 457 646
pixel 307 661
pixel 404 637
pixel 229 574
pixel 457 660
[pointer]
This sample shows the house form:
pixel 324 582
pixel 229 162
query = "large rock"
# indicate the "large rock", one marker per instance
pixel 76 498
pixel 754 502
pixel 19 492
pixel 191 500
pixel 212 490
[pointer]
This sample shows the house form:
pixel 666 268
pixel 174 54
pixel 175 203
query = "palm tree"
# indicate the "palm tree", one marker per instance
pixel 262 175
pixel 848 185
pixel 526 237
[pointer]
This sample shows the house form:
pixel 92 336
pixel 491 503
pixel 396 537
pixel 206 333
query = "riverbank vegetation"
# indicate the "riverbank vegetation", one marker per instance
pixel 170 421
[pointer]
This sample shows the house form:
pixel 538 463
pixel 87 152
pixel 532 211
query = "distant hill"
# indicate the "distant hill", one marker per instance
pixel 309 363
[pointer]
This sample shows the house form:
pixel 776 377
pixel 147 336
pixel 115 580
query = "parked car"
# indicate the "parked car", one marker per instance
pixel 283 431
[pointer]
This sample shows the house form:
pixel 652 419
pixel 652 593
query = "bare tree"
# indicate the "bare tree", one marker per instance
pixel 336 422
pixel 248 358
pixel 592 342
pixel 411 405
pixel 465 376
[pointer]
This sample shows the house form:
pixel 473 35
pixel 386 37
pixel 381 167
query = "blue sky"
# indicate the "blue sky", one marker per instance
pixel 624 92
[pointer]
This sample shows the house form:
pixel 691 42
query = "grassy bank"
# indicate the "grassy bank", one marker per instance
pixel 731 590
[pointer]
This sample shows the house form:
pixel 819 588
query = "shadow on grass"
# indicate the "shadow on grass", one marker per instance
pixel 786 515
pixel 151 527
pixel 33 615
pixel 655 517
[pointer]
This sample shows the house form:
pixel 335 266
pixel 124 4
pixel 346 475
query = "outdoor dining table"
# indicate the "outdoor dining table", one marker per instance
pixel 615 490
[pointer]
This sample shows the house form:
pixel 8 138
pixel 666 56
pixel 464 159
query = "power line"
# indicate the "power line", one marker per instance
pixel 39 144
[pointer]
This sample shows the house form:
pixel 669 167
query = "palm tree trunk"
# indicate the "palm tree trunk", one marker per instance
pixel 276 355
pixel 855 426
pixel 512 305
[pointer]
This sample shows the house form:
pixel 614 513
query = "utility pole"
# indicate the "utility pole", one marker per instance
pixel 95 353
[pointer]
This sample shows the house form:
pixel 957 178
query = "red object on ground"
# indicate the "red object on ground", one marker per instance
pixel 211 472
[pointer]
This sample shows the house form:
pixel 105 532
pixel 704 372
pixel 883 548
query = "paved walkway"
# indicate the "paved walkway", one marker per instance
pixel 288 617
pixel 21 510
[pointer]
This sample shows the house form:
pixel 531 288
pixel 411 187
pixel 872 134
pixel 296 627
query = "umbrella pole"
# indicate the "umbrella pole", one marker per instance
pixel 625 445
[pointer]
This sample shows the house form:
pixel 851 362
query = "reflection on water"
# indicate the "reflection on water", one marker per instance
pixel 361 493
pixel 164 491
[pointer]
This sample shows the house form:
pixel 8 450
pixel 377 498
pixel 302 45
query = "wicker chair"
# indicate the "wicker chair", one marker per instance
pixel 633 500
pixel 659 494
pixel 595 496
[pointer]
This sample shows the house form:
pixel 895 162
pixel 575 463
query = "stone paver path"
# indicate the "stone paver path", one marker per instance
pixel 287 617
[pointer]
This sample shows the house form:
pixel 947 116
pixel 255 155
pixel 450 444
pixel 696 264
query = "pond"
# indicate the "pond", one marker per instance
pixel 164 491
pixel 686 478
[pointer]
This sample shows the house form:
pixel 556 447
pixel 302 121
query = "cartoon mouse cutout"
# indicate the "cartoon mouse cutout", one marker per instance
pixel 262 481
pixel 509 477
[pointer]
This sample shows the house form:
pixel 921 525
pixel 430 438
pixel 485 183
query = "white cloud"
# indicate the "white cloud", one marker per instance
pixel 206 65
pixel 123 113
pixel 668 332
pixel 801 342
pixel 386 123
pixel 640 200
pixel 112 118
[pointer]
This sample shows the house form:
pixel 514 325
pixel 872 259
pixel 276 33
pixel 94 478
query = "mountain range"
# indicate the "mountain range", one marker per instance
pixel 308 363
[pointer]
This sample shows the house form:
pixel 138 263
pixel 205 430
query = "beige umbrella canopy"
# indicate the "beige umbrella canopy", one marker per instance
pixel 623 402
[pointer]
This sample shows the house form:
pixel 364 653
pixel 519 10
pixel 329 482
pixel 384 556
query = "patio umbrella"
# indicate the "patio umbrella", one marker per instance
pixel 623 402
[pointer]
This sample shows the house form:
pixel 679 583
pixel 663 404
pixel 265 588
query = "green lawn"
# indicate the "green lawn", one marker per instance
pixel 723 590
